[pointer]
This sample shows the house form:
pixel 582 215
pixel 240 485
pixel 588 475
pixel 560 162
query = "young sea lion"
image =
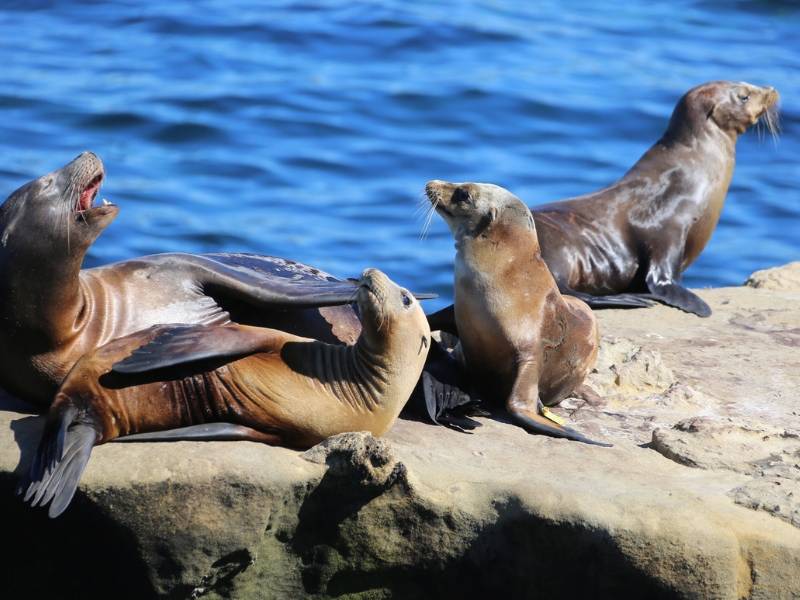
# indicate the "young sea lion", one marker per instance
pixel 630 242
pixel 523 343
pixel 248 383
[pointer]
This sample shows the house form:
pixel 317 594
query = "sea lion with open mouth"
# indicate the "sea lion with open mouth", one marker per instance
pixel 52 312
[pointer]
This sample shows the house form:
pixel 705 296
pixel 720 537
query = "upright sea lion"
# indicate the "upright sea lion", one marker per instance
pixel 523 344
pixel 52 312
pixel 630 242
pixel 252 383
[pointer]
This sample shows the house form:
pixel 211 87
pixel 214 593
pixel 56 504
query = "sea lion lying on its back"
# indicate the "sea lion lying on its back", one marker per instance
pixel 233 382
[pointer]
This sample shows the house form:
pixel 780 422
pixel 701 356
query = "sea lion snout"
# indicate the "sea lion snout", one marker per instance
pixel 386 295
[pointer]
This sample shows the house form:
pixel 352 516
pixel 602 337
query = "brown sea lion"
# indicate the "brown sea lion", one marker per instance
pixel 630 242
pixel 246 382
pixel 523 343
pixel 52 312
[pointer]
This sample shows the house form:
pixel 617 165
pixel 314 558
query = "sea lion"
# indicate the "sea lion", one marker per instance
pixel 248 383
pixel 523 343
pixel 630 242
pixel 52 312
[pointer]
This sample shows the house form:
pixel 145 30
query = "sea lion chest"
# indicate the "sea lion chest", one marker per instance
pixel 497 307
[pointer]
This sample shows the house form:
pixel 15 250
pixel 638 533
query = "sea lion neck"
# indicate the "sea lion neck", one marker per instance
pixel 46 309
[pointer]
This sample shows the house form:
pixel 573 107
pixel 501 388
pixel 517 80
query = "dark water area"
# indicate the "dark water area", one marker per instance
pixel 308 130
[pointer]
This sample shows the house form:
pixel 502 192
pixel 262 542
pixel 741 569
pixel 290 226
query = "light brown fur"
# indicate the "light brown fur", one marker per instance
pixel 521 340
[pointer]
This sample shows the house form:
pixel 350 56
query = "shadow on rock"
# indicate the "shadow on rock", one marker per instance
pixel 82 554
pixel 365 529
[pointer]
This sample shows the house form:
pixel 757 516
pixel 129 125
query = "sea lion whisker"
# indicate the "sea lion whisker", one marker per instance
pixel 772 122
pixel 428 220
pixel 422 204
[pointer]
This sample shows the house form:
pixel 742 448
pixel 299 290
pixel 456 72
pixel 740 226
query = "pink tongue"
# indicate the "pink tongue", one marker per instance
pixel 85 202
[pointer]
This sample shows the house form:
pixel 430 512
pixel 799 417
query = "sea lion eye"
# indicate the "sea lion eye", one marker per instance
pixel 461 195
pixel 406 300
pixel 744 98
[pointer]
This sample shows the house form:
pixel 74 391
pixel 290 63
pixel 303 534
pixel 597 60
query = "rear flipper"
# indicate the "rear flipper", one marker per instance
pixel 444 320
pixel 63 452
pixel 215 432
pixel 447 405
pixel 611 301
pixel 526 408
pixel 674 294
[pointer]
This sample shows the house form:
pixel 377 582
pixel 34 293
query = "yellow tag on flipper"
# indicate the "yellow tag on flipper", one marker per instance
pixel 552 416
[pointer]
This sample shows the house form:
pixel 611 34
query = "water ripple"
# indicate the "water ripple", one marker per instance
pixel 308 129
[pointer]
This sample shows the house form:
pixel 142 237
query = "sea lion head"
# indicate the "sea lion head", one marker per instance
pixel 393 322
pixel 54 215
pixel 470 209
pixel 730 106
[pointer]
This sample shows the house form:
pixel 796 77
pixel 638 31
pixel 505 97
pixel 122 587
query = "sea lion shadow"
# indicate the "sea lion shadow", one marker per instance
pixel 27 435
pixel 27 430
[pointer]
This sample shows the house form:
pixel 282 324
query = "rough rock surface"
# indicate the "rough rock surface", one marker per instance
pixel 698 498
pixel 783 279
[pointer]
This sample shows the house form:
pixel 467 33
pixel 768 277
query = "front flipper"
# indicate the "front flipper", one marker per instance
pixel 267 281
pixel 524 406
pixel 215 432
pixel 264 281
pixel 444 320
pixel 674 294
pixel 183 344
pixel 610 301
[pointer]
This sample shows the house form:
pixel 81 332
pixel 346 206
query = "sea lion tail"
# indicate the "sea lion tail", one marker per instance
pixel 59 462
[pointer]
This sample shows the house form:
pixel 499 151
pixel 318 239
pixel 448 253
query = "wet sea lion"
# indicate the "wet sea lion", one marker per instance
pixel 52 312
pixel 524 344
pixel 630 242
pixel 246 382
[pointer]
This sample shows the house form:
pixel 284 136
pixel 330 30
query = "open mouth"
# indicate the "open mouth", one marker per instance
pixel 88 195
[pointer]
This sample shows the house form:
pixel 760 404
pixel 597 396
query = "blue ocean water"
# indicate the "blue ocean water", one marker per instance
pixel 309 129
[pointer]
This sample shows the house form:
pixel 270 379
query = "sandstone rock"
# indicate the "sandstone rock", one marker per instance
pixel 625 369
pixel 359 458
pixel 741 445
pixel 785 278
pixel 429 512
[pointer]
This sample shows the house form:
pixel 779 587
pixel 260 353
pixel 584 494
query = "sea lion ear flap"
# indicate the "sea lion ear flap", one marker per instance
pixel 9 228
pixel 708 102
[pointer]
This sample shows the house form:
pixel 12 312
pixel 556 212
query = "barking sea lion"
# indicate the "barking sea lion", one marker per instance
pixel 52 312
